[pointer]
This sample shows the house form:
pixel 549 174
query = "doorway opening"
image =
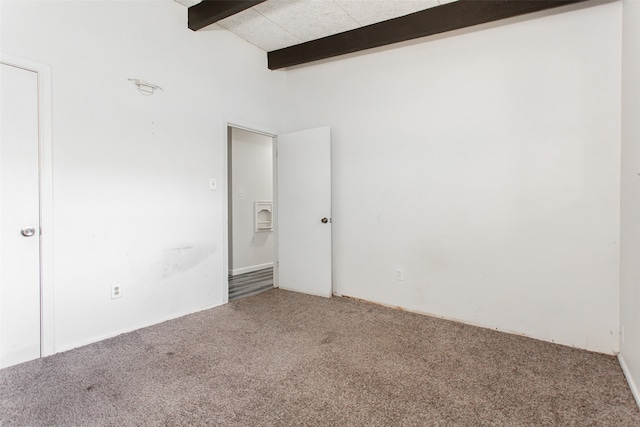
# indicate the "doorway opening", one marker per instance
pixel 251 216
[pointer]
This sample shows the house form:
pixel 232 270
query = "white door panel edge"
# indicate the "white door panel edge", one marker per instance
pixel 304 199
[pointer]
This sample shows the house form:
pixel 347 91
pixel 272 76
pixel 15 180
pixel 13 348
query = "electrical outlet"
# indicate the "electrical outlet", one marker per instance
pixel 399 274
pixel 116 291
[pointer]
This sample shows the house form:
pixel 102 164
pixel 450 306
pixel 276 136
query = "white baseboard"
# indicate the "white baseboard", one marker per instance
pixel 607 351
pixel 131 329
pixel 250 269
pixel 632 384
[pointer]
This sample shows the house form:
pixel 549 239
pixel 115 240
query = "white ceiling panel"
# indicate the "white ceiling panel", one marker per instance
pixel 308 19
pixel 367 12
pixel 188 3
pixel 259 31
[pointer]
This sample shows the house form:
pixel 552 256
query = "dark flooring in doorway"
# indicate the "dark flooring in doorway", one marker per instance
pixel 243 285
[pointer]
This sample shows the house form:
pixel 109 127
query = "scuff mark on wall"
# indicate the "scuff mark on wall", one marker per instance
pixel 181 259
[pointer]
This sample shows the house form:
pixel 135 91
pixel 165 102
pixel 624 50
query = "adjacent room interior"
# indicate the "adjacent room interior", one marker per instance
pixel 250 218
pixel 487 175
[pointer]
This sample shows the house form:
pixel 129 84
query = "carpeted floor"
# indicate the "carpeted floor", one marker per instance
pixel 286 359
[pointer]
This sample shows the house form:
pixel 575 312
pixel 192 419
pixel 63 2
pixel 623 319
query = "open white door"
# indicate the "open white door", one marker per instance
pixel 304 211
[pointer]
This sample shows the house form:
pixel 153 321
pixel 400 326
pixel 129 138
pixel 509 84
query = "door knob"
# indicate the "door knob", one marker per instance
pixel 28 232
pixel 324 220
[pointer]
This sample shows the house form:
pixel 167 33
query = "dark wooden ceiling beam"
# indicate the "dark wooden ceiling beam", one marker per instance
pixel 439 19
pixel 210 11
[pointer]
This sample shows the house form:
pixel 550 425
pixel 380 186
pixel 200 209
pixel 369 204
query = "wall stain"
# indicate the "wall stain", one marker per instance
pixel 181 259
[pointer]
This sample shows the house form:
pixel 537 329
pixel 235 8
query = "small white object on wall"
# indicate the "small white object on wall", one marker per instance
pixel 263 215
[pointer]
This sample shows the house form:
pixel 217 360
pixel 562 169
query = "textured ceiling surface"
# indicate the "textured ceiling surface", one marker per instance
pixel 276 24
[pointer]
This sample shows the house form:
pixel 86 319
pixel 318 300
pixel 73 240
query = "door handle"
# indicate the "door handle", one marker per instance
pixel 28 231
pixel 324 220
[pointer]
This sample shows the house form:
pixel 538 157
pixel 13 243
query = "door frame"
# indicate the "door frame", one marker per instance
pixel 45 167
pixel 231 122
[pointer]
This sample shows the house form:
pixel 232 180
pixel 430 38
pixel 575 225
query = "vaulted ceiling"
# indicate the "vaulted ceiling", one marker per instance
pixel 299 31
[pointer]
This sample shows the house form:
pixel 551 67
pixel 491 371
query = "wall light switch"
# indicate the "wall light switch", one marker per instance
pixel 213 184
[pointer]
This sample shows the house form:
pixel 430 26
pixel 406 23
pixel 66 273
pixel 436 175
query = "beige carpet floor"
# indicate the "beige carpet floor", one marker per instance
pixel 286 359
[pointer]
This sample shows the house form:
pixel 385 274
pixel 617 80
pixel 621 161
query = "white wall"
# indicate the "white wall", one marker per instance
pixel 485 164
pixel 252 180
pixel 132 203
pixel 630 225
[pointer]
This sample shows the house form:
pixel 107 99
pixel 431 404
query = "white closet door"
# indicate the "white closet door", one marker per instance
pixel 19 217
